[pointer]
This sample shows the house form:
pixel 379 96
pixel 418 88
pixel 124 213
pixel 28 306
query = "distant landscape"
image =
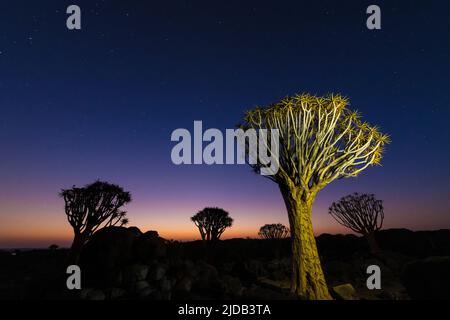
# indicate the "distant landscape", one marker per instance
pixel 414 266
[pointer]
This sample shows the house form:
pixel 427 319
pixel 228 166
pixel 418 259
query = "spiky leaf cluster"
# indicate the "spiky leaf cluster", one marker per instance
pixel 320 139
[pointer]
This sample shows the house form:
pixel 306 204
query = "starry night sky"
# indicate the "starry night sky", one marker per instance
pixel 101 103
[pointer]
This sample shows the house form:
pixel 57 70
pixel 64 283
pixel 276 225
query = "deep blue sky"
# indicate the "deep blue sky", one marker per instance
pixel 102 102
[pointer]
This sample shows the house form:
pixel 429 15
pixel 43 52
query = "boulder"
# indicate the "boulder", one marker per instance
pixel 137 272
pixel 104 255
pixel 136 231
pixel 241 270
pixel 339 271
pixel 360 263
pixel 427 278
pixel 226 267
pixel 141 285
pixel 149 246
pixel 95 295
pixel 273 265
pixel 231 286
pixel 339 246
pixel 118 256
pixel 177 269
pixel 256 267
pixel 183 285
pixel 182 288
pixel 147 292
pixel 84 293
pixel 115 293
pixel 260 293
pixel 211 288
pixel 206 271
pixel 190 269
pixel 279 286
pixel 344 292
pixel 278 275
pixel 404 241
pixel 157 271
pixel 166 295
pixel 207 280
pixel 165 284
pixel 394 261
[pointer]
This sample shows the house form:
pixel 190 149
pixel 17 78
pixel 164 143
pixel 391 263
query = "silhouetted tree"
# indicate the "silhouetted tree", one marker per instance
pixel 274 231
pixel 90 208
pixel 362 213
pixel 124 222
pixel 212 222
pixel 53 247
pixel 320 140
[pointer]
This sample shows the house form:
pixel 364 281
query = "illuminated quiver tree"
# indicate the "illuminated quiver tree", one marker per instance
pixel 320 140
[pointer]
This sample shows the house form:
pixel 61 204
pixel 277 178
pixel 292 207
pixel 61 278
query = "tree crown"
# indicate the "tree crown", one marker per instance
pixel 274 231
pixel 212 222
pixel 362 213
pixel 320 139
pixel 99 203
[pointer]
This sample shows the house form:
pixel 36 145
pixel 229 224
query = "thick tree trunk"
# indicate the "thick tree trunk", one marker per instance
pixel 373 245
pixel 75 249
pixel 308 280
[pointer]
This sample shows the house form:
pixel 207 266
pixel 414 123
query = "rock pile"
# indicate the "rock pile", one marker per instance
pixel 121 263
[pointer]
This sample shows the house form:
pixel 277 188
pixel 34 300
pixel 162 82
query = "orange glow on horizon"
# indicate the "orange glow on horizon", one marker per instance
pixel 41 224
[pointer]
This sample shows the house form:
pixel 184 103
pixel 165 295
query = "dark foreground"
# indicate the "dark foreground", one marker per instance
pixel 123 264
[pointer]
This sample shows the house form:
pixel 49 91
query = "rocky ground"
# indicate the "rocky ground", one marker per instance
pixel 124 263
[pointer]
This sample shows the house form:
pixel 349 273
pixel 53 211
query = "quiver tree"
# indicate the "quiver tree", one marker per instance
pixel 124 222
pixel 274 231
pixel 361 213
pixel 320 140
pixel 212 222
pixel 92 207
